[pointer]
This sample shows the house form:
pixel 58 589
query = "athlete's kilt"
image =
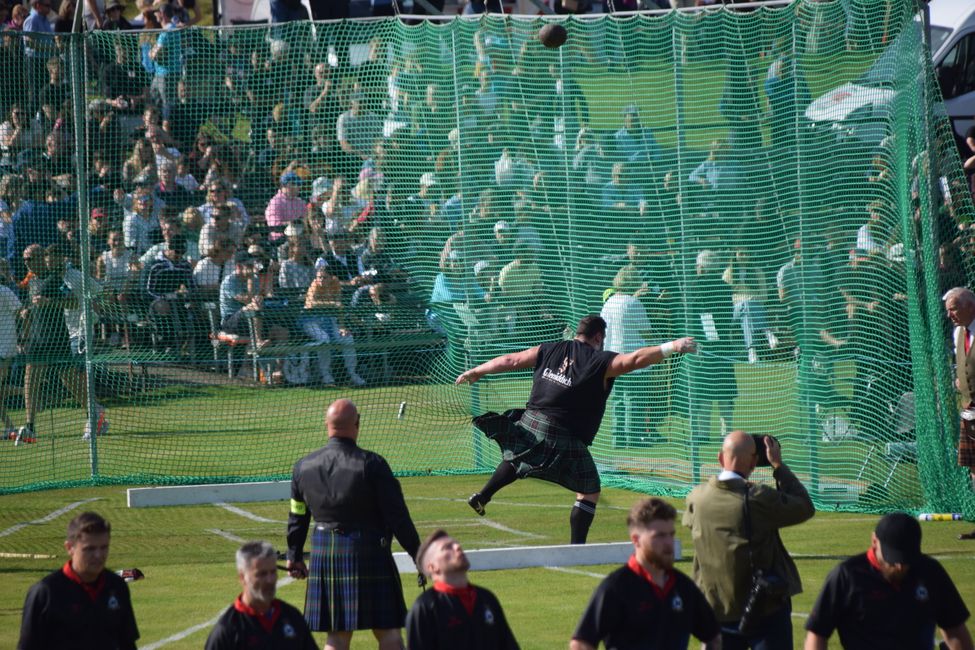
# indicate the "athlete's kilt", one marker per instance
pixel 539 449
pixel 353 583
pixel 966 444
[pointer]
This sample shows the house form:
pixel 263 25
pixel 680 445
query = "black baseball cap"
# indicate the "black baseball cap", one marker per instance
pixel 899 535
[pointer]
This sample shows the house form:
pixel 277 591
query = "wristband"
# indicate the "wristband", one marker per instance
pixel 667 349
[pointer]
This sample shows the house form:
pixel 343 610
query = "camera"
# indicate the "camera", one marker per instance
pixel 766 588
pixel 762 450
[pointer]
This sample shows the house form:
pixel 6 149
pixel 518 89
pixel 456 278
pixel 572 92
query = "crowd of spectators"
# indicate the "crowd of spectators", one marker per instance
pixel 372 189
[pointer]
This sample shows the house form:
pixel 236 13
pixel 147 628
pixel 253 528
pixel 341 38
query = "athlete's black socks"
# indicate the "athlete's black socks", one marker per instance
pixel 504 474
pixel 583 512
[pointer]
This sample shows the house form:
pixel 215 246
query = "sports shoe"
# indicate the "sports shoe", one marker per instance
pixel 356 380
pixel 101 423
pixel 25 435
pixel 475 502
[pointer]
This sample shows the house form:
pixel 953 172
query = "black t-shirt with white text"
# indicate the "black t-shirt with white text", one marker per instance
pixel 570 387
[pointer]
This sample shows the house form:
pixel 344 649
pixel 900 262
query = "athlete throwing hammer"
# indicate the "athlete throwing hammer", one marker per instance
pixel 550 439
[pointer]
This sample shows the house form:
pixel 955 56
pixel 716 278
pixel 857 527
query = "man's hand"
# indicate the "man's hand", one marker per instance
pixel 297 569
pixel 685 345
pixel 774 450
pixel 468 377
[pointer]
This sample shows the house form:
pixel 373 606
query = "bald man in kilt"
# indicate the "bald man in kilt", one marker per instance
pixel 358 508
pixel 550 438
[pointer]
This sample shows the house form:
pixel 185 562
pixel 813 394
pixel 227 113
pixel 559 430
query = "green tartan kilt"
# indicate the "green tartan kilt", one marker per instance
pixel 539 449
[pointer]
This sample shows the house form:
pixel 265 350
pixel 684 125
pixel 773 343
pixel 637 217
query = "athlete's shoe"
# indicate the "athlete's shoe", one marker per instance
pixel 476 503
pixel 101 424
pixel 25 435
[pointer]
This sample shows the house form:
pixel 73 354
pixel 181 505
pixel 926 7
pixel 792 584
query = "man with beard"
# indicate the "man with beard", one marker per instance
pixel 82 604
pixel 257 619
pixel 455 613
pixel 550 438
pixel 647 603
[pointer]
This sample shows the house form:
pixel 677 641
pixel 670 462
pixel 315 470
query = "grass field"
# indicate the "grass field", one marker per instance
pixel 182 431
pixel 187 553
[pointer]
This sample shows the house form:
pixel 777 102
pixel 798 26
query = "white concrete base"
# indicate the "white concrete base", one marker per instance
pixel 526 557
pixel 191 495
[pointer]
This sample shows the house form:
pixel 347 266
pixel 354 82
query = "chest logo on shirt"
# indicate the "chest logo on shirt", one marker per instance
pixel 560 377
pixel 921 594
pixel 488 617
pixel 677 604
pixel 288 631
pixel 112 602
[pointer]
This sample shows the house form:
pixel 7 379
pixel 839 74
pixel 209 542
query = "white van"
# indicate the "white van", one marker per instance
pixel 861 107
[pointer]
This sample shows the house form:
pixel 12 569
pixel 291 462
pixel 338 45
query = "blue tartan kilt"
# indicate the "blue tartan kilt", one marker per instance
pixel 353 583
pixel 538 449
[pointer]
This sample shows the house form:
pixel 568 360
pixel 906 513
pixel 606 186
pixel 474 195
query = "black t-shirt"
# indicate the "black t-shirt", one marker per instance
pixel 570 388
pixel 628 612
pixel 283 629
pixel 60 613
pixel 439 621
pixel 869 612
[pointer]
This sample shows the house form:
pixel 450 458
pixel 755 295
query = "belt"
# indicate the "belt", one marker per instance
pixel 354 532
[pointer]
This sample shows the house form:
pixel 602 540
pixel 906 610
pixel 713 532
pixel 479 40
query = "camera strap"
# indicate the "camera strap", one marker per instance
pixel 748 529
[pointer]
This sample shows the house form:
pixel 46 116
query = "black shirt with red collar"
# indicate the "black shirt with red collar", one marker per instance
pixel 282 627
pixel 628 611
pixel 870 612
pixel 450 618
pixel 65 613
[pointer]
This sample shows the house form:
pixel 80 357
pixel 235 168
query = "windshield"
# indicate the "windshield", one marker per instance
pixel 881 73
pixel 938 36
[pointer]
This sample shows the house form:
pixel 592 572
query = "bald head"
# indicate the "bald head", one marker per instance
pixel 738 453
pixel 342 419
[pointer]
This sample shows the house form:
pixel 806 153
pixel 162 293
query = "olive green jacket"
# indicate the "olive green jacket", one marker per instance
pixel 715 515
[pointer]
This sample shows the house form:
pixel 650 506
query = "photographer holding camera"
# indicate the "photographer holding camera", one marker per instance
pixel 740 562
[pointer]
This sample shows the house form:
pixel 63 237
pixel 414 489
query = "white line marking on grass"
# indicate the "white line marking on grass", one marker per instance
pixel 517 504
pixel 578 572
pixel 43 520
pixel 490 523
pixel 179 636
pixel 228 536
pixel 247 514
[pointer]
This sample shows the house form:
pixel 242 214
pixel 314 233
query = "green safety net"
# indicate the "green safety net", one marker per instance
pixel 272 217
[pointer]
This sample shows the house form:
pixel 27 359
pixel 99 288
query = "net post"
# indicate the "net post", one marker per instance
pixel 78 90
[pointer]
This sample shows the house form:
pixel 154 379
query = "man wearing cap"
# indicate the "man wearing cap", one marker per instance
pixel 286 206
pixel 550 438
pixel 114 20
pixel 892 596
pixel 455 613
pixel 257 619
pixel 960 307
pixel 167 55
pixel 358 508
pixel 648 603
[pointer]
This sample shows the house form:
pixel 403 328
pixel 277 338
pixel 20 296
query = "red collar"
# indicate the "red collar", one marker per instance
pixel 634 565
pixel 875 563
pixel 267 619
pixel 467 595
pixel 91 588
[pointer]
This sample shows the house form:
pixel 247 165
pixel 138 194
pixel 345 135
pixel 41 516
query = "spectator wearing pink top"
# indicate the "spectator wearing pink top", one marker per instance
pixel 285 206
